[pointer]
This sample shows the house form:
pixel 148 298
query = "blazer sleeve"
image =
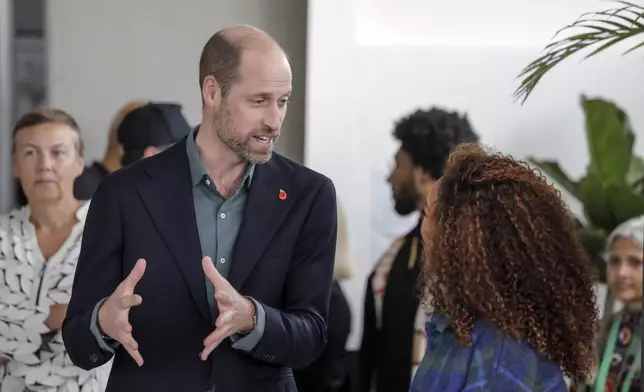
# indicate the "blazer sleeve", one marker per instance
pixel 368 348
pixel 98 273
pixel 295 335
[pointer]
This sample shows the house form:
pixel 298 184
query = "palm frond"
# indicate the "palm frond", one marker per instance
pixel 602 29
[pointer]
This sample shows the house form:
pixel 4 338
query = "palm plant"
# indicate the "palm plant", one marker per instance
pixel 602 29
pixel 612 190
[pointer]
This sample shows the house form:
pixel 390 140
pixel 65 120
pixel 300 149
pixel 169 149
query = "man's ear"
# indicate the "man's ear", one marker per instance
pixel 211 92
pixel 421 176
pixel 422 180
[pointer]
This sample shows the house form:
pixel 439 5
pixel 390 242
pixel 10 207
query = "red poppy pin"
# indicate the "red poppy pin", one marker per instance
pixel 282 194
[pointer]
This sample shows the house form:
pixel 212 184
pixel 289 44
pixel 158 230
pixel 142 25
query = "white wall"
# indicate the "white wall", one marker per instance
pixel 376 65
pixel 102 54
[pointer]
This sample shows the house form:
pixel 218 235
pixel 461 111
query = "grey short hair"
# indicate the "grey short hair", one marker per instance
pixel 633 229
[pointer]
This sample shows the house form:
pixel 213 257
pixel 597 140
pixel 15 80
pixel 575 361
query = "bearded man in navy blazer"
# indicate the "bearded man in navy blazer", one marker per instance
pixel 208 266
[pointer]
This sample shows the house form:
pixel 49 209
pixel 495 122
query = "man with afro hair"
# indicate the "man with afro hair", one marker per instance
pixel 394 339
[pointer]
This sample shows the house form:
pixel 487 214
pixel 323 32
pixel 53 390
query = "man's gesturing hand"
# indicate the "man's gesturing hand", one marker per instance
pixel 236 312
pixel 113 316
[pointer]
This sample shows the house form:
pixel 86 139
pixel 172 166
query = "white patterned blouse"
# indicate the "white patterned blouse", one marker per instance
pixel 34 357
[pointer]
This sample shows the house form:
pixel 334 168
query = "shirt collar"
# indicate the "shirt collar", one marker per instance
pixel 438 324
pixel 81 212
pixel 198 170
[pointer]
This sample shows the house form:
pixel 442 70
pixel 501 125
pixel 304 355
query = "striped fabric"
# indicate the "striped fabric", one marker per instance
pixel 492 363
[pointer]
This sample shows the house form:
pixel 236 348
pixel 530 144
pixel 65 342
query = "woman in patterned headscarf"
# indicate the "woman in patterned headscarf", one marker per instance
pixel 39 247
pixel 619 343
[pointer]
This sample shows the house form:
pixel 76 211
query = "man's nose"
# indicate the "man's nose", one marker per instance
pixel 273 118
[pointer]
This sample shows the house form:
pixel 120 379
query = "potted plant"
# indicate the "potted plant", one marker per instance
pixel 612 189
pixel 601 29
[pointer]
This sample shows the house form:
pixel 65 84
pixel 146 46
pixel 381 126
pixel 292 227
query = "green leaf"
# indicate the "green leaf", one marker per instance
pixel 610 140
pixel 593 239
pixel 597 205
pixel 635 175
pixel 554 171
pixel 607 206
pixel 625 203
pixel 590 29
pixel 635 47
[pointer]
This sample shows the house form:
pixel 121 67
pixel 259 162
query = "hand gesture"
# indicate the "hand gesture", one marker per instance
pixel 236 313
pixel 113 316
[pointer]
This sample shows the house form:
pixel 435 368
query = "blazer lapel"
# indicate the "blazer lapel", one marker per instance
pixel 270 198
pixel 168 199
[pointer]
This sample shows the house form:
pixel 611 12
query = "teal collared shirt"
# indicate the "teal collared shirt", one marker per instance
pixel 218 222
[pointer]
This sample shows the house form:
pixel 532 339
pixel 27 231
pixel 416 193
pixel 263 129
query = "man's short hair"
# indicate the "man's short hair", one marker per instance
pixel 220 58
pixel 430 135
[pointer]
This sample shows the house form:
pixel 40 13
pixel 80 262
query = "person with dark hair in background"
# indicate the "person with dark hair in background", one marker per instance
pixel 393 337
pixel 150 129
pixel 87 183
pixel 508 282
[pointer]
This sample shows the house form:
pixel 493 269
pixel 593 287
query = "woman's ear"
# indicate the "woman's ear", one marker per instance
pixel 81 165
pixel 15 166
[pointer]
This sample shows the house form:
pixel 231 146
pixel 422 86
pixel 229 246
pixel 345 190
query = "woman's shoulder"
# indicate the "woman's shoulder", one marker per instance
pixel 517 358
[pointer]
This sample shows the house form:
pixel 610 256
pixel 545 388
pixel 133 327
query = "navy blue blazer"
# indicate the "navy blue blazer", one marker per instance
pixel 283 258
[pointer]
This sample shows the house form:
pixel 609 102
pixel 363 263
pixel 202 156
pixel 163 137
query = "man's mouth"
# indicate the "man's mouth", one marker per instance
pixel 263 139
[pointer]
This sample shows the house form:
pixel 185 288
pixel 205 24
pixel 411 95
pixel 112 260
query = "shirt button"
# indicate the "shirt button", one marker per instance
pixel 208 182
pixel 93 358
pixel 223 216
pixel 222 260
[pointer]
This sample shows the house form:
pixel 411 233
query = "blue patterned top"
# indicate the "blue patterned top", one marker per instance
pixel 494 362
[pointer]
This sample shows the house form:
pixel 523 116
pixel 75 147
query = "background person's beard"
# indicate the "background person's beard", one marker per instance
pixel 405 205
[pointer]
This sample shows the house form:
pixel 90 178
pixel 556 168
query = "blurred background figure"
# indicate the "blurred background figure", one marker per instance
pixel 330 372
pixel 619 344
pixel 508 282
pixel 150 129
pixel 93 174
pixel 39 244
pixel 393 339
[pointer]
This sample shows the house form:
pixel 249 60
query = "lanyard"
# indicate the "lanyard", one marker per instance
pixel 633 348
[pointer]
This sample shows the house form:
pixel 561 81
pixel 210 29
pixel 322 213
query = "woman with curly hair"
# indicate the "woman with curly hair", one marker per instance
pixel 507 279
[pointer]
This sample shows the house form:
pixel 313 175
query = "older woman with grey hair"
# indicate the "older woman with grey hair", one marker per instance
pixel 619 343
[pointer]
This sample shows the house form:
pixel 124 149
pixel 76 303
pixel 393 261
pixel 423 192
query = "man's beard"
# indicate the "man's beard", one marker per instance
pixel 225 129
pixel 405 205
